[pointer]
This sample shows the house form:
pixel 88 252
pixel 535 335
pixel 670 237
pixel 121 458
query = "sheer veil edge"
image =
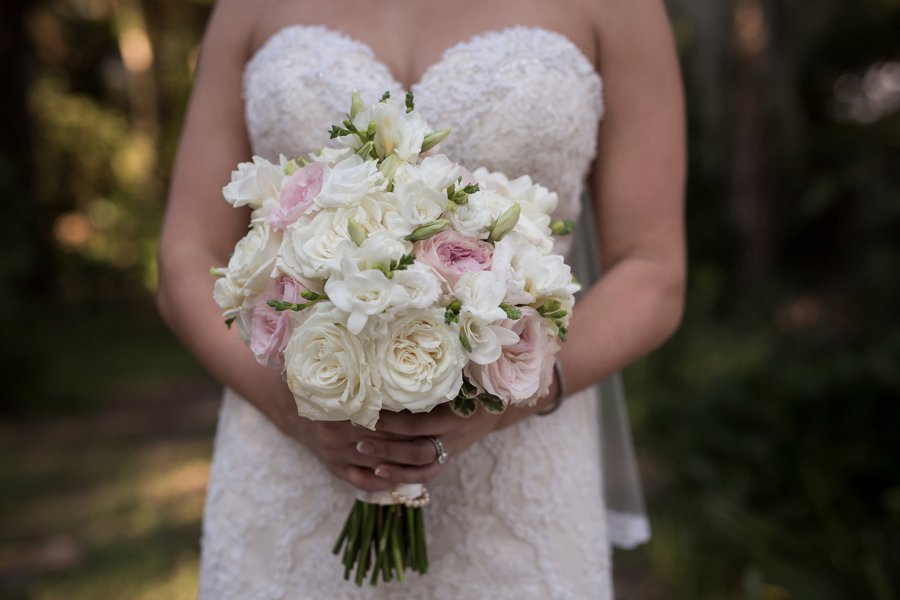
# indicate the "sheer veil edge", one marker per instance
pixel 627 523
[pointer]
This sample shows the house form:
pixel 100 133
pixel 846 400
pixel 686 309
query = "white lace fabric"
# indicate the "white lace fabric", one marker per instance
pixel 521 513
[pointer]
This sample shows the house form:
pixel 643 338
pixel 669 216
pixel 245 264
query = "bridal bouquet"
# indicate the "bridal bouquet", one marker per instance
pixel 380 275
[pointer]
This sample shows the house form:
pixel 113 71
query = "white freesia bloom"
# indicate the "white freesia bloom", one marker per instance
pixel 397 132
pixel 330 372
pixel 362 294
pixel 331 156
pixel 421 190
pixel 349 181
pixel 481 293
pixel 485 339
pixel 419 360
pixel 253 183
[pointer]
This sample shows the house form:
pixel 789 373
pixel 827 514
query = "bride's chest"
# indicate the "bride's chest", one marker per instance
pixel 520 100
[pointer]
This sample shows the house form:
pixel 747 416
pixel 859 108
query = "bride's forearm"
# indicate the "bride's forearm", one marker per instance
pixel 186 304
pixel 632 310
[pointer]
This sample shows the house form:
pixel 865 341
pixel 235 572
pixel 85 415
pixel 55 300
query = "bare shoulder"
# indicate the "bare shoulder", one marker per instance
pixel 637 27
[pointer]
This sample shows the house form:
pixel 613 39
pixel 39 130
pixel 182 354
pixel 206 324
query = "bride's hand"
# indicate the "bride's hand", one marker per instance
pixel 333 443
pixel 410 457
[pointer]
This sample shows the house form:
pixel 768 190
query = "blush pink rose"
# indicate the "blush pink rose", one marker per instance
pixel 270 329
pixel 524 371
pixel 297 195
pixel 452 254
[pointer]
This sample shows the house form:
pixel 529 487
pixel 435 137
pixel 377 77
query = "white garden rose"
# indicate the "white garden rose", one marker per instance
pixel 314 248
pixel 530 275
pixel 533 197
pixel 419 360
pixel 474 219
pixel 253 183
pixel 362 294
pixel 380 248
pixel 329 371
pixel 250 267
pixel 481 293
pixel 349 182
pixel 422 285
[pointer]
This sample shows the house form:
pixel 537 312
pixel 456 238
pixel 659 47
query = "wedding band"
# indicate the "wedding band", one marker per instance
pixel 442 455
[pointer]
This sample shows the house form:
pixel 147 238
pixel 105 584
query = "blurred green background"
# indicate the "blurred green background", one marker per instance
pixel 767 428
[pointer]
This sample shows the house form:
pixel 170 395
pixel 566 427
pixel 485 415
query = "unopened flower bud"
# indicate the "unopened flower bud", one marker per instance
pixel 562 227
pixel 505 223
pixel 291 167
pixel 434 138
pixel 356 233
pixel 356 105
pixel 551 305
pixel 429 229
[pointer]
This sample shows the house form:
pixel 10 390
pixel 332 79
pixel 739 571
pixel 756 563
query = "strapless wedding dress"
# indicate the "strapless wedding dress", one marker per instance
pixel 521 513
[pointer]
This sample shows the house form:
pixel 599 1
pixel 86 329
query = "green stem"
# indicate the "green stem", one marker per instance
pixel 368 528
pixel 395 552
pixel 354 539
pixel 420 540
pixel 343 536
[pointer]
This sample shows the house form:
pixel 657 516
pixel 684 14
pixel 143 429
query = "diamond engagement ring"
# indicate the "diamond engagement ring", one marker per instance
pixel 442 455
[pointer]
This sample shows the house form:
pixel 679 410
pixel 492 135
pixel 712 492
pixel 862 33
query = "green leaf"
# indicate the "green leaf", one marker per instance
pixel 410 102
pixel 492 404
pixel 463 407
pixel 385 96
pixel 228 322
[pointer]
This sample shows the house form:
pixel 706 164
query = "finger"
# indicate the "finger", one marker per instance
pixel 436 422
pixel 395 474
pixel 364 479
pixel 417 451
pixel 335 434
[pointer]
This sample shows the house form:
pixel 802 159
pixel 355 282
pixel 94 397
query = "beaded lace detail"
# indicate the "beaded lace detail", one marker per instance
pixel 518 515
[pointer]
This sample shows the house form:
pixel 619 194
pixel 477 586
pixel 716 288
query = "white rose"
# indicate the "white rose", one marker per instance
pixel 475 218
pixel 349 181
pixel 253 183
pixel 485 339
pixel 530 275
pixel 533 197
pixel 535 201
pixel 314 248
pixel 420 361
pixel 251 264
pixel 481 293
pixel 422 285
pixel 362 294
pixel 421 190
pixel 380 248
pixel 329 371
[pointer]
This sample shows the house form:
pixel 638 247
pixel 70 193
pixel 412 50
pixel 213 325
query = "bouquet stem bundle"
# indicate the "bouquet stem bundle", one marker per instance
pixel 382 541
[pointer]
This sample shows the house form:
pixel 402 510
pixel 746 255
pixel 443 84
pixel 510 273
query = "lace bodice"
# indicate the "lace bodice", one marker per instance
pixel 518 100
pixel 518 515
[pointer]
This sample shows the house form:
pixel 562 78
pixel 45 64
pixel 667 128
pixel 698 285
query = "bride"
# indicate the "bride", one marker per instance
pixel 517 510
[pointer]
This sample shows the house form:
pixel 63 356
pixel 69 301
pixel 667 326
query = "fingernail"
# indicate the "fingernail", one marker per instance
pixel 364 447
pixel 381 472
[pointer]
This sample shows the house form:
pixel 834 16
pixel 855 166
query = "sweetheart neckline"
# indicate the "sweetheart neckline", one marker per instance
pixel 445 55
